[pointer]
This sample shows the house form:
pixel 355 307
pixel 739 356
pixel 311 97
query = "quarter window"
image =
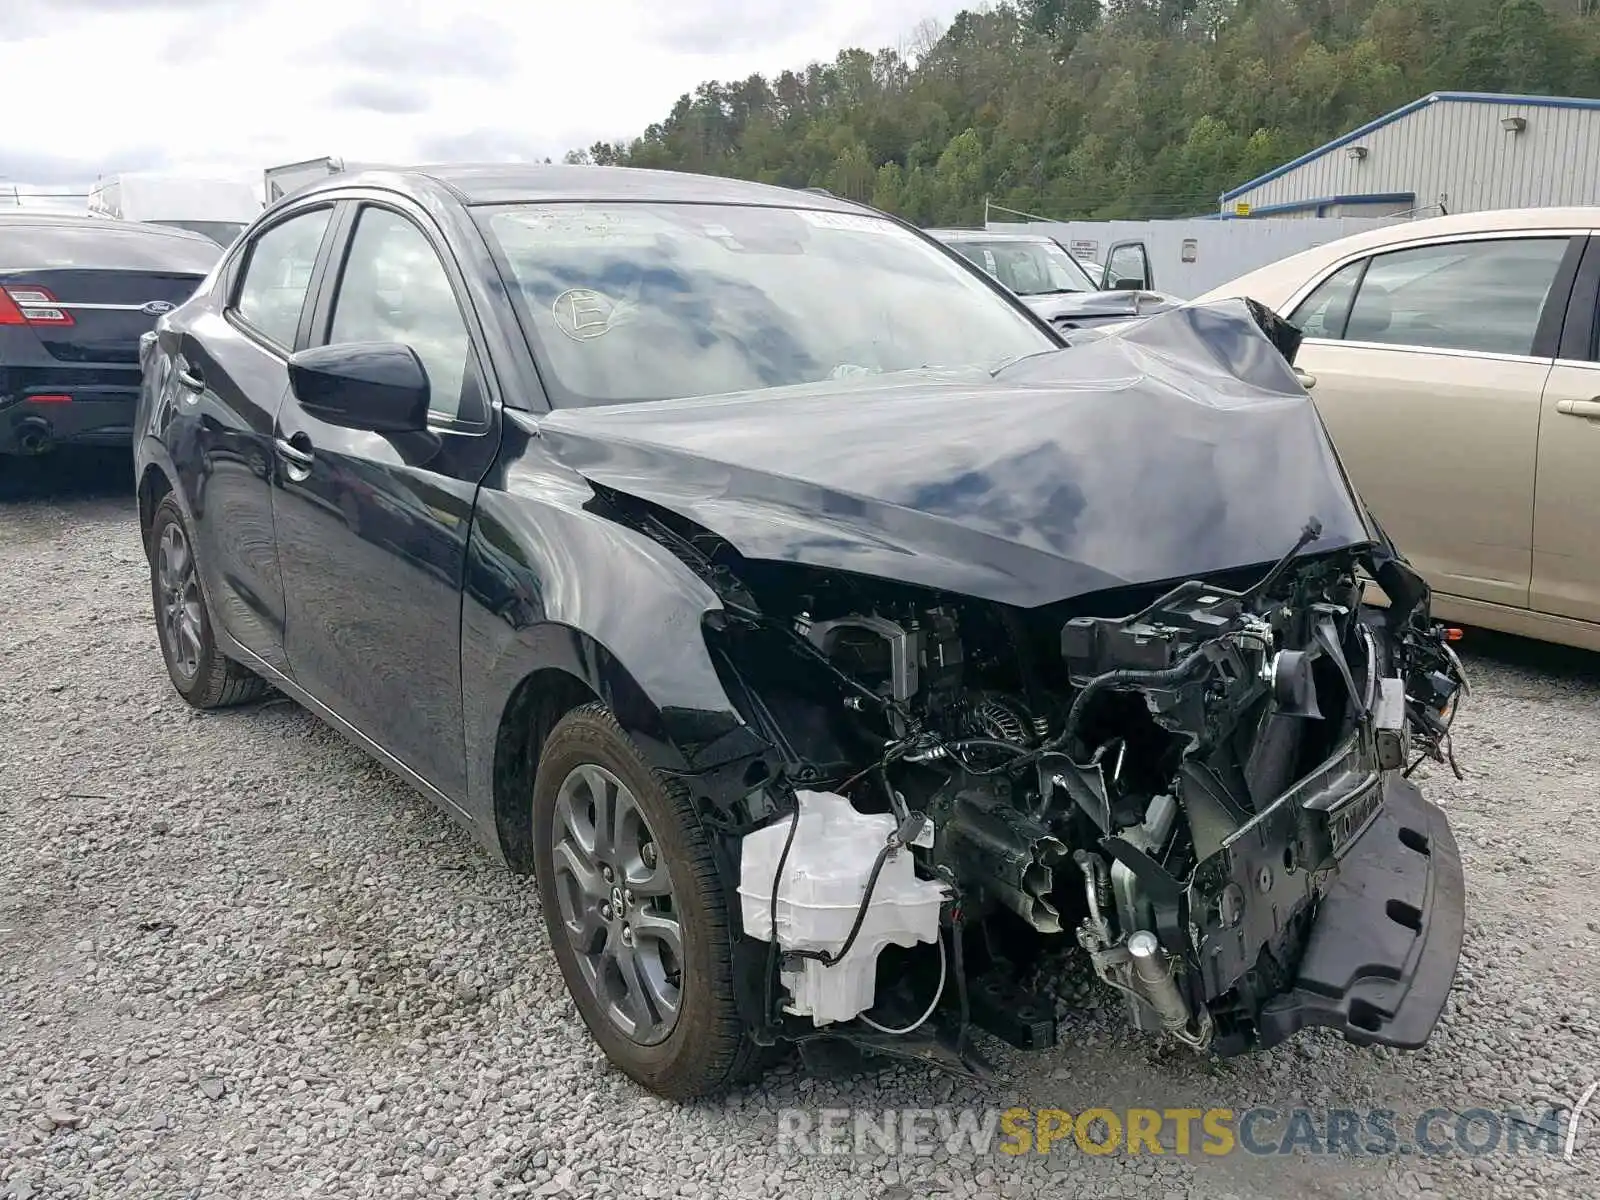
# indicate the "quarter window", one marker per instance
pixel 394 289
pixel 277 274
pixel 1484 295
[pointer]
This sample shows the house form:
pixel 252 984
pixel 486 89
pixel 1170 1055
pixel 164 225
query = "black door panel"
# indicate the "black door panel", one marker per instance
pixel 372 528
pixel 220 439
pixel 373 540
pixel 221 395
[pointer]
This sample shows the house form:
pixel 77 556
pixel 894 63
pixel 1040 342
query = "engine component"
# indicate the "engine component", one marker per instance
pixel 1138 967
pixel 1391 736
pixel 998 718
pixel 1153 970
pixel 840 638
pixel 1132 909
pixel 824 883
pixel 1005 853
pixel 1293 687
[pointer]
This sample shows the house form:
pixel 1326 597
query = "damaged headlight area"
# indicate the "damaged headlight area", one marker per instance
pixel 1203 790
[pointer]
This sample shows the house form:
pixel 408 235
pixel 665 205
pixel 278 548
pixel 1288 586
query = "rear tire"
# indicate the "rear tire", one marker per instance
pixel 201 673
pixel 707 1048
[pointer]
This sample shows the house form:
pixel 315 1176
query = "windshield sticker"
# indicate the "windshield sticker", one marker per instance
pixel 583 314
pixel 851 221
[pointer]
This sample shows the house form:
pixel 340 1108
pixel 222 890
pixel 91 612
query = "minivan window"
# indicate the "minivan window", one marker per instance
pixel 277 273
pixel 648 301
pixel 1484 295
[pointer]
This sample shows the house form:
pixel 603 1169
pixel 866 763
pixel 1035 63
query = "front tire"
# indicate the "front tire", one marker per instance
pixel 201 673
pixel 636 911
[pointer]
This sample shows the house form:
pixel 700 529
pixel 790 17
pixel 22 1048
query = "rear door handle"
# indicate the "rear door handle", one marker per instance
pixel 1579 408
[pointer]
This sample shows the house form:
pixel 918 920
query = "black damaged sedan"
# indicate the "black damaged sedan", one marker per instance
pixel 838 648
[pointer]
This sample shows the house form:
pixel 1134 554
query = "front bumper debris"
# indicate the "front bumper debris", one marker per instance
pixel 1381 956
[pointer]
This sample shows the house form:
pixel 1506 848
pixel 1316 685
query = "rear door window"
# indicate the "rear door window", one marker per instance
pixel 1485 296
pixel 277 274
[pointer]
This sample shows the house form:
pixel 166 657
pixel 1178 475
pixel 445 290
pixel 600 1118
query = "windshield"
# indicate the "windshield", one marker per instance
pixel 220 232
pixel 1039 268
pixel 632 302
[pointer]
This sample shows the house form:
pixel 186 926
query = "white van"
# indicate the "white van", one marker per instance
pixel 217 208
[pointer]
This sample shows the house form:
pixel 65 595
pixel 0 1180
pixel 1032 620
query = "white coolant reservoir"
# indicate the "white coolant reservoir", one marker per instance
pixel 823 881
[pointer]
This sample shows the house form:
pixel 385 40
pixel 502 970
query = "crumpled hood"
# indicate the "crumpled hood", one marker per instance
pixel 1077 307
pixel 1179 447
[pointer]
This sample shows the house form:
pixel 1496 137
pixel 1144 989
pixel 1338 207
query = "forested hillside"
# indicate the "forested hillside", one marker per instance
pixel 1114 108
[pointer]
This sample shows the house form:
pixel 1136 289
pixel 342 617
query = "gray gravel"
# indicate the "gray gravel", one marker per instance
pixel 239 959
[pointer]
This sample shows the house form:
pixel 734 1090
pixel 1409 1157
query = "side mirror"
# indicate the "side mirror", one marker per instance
pixel 381 387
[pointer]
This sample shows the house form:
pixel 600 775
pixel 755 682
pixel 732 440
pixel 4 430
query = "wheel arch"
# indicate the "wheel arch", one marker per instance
pixel 154 486
pixel 561 668
pixel 158 477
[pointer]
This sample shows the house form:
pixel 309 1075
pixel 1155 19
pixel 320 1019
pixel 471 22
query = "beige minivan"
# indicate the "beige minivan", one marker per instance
pixel 1454 361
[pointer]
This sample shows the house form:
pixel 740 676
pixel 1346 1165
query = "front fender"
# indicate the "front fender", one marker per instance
pixel 552 585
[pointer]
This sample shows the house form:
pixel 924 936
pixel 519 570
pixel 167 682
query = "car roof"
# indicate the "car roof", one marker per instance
pixel 1494 220
pixel 514 183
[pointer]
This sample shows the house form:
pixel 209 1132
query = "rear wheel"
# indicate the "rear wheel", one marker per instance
pixel 203 675
pixel 636 911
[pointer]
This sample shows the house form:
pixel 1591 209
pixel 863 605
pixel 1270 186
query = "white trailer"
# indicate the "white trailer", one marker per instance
pixel 216 207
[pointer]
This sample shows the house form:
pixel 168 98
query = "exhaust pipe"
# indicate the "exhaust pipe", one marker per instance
pixel 34 436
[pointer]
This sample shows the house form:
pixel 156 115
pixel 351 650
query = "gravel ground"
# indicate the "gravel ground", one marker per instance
pixel 239 959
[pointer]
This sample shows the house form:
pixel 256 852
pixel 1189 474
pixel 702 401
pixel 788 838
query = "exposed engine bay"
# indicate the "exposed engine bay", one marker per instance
pixel 1169 778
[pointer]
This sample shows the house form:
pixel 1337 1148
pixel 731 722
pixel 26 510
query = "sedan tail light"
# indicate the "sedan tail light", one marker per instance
pixel 27 304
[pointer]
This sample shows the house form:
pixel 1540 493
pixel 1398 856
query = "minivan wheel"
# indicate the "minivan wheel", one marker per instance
pixel 636 912
pixel 202 674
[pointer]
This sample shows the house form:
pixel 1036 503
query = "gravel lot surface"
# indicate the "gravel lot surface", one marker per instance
pixel 239 959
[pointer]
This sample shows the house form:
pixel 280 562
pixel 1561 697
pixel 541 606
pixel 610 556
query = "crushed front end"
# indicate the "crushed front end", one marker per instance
pixel 1204 789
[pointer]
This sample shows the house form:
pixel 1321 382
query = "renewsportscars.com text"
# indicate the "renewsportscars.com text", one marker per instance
pixel 1215 1132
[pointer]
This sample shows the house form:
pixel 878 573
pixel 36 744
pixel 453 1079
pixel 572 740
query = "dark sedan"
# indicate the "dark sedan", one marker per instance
pixel 836 646
pixel 76 293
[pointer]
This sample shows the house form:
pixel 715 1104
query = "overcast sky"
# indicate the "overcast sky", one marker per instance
pixel 98 86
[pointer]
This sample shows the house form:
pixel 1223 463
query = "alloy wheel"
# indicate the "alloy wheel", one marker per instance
pixel 179 587
pixel 617 904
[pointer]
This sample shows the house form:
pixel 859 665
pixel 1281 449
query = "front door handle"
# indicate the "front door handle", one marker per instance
pixel 296 461
pixel 1306 378
pixel 1579 408
pixel 191 379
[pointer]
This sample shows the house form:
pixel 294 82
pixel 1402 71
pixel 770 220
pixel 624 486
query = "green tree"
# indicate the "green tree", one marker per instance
pixel 1109 107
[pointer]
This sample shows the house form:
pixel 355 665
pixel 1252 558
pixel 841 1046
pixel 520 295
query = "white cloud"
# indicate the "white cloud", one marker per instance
pixel 239 85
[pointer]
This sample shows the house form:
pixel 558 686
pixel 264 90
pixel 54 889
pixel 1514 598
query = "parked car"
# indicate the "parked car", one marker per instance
pixel 1455 363
pixel 831 641
pixel 1057 286
pixel 76 293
